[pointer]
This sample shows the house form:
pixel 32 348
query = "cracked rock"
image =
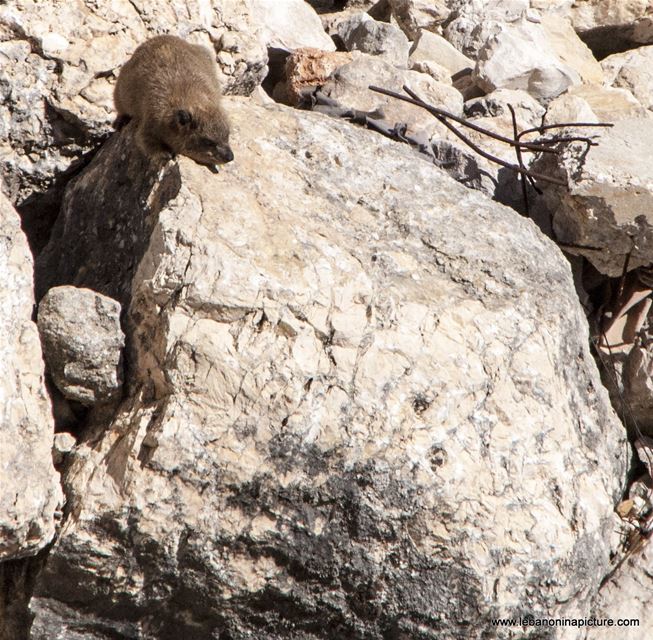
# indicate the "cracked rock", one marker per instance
pixel 361 396
pixel 82 342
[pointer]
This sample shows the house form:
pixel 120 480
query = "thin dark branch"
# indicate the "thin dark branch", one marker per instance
pixel 440 114
pixel 481 152
pixel 545 127
pixel 520 161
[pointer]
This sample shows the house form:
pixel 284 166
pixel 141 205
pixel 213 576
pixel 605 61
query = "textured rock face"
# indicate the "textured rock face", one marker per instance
pixel 82 343
pixel 355 412
pixel 349 85
pixel 289 24
pixel 518 56
pixel 606 211
pixel 377 38
pixel 30 492
pixel 633 71
pixel 432 48
pixel 609 26
pixel 413 15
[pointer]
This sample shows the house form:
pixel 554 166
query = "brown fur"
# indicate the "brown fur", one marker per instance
pixel 170 89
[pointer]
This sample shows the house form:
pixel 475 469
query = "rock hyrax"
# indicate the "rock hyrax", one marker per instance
pixel 170 89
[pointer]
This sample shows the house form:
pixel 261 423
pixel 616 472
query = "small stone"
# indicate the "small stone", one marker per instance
pixel 362 33
pixel 413 15
pixel 63 444
pixel 432 48
pixel 82 343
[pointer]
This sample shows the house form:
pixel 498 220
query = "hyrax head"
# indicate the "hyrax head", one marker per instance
pixel 201 134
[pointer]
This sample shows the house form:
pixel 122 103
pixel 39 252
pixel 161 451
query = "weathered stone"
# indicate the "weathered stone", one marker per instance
pixel 608 103
pixel 362 33
pixel 308 69
pixel 430 48
pixel 570 49
pixel 611 26
pixel 413 15
pixel 350 401
pixel 633 71
pixel 474 21
pixel 82 343
pixel 627 594
pixel 608 204
pixel 63 444
pixel 433 69
pixel 638 387
pixel 520 56
pixel 349 86
pixel 289 24
pixel 569 108
pixel 29 486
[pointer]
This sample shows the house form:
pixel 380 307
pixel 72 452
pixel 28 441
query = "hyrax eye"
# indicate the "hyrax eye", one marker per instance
pixel 183 117
pixel 207 142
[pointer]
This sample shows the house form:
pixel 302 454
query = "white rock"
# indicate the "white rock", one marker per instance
pixel 290 24
pixel 520 56
pixel 30 493
pixel 632 70
pixel 82 343
pixel 362 33
pixel 609 196
pixel 334 343
pixel 413 15
pixel 431 48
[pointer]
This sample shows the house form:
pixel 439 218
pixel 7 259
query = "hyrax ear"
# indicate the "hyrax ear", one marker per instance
pixel 183 117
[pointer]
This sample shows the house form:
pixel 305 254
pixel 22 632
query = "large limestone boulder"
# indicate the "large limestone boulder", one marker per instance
pixel 362 403
pixel 30 494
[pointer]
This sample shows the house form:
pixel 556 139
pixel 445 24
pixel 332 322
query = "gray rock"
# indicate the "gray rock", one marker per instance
pixel 430 48
pixel 632 70
pixel 606 212
pixel 349 86
pixel 362 33
pixel 82 343
pixel 30 493
pixel 611 26
pixel 520 56
pixel 29 486
pixel 63 444
pixel 351 401
pixel 413 15
pixel 528 110
pixel 287 24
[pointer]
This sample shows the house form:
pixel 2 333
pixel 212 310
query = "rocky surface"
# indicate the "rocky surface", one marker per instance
pixel 312 429
pixel 359 400
pixel 82 343
pixel 604 213
pixel 30 493
pixel 611 26
pixel 633 71
pixel 29 501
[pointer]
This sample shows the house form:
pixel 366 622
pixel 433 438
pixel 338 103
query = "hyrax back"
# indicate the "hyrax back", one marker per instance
pixel 170 89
